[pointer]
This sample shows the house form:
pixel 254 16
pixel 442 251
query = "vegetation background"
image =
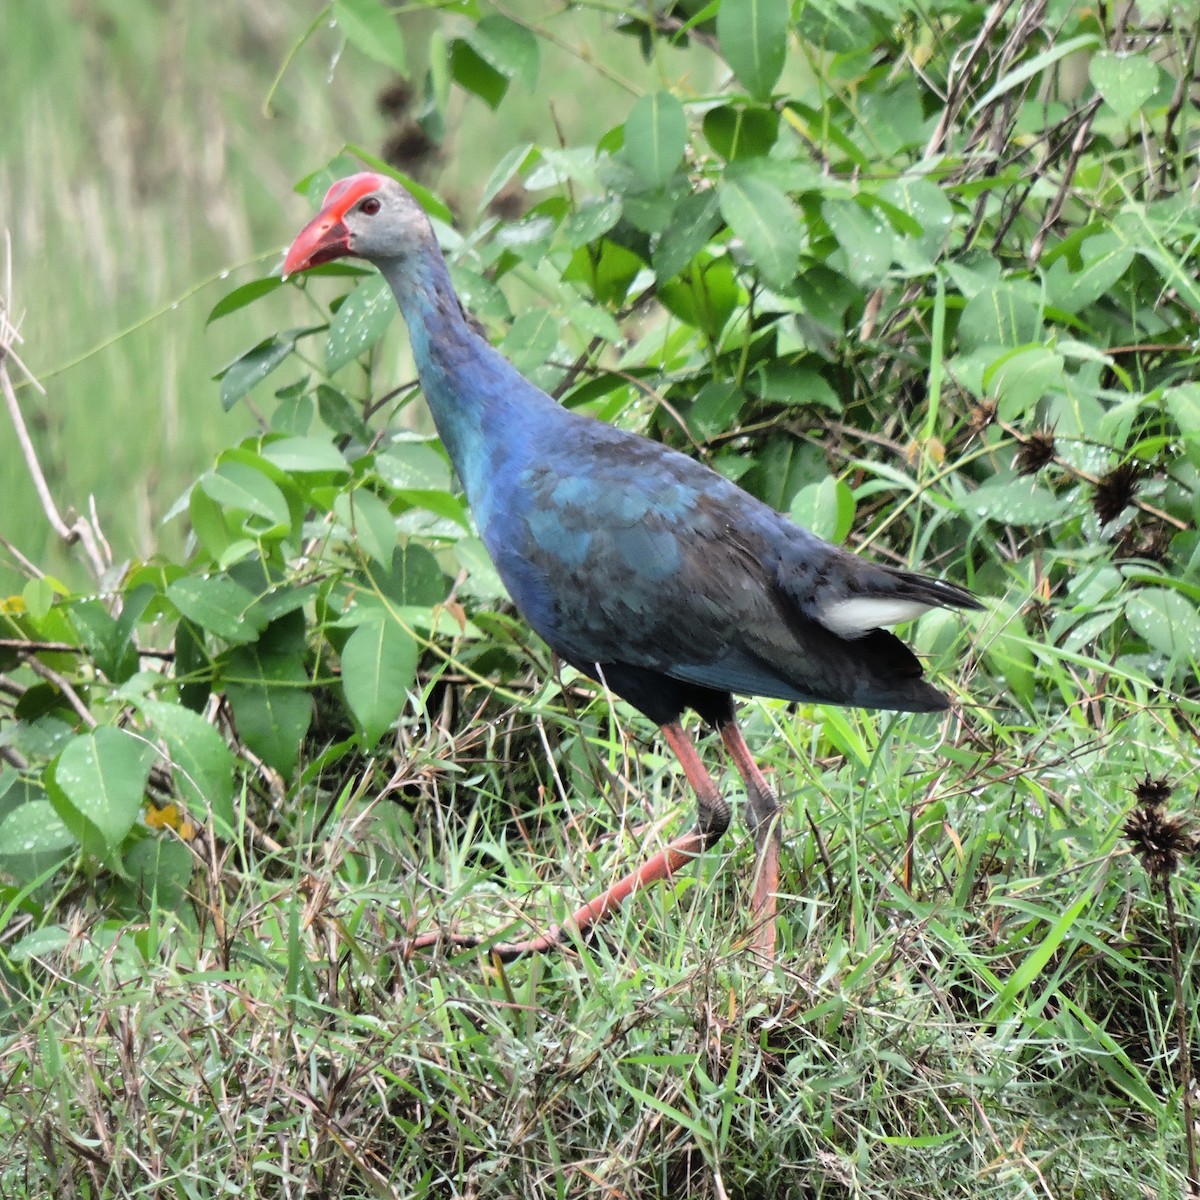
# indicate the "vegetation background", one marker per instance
pixel 921 274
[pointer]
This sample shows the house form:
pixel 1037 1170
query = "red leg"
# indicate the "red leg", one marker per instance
pixel 711 822
pixel 763 820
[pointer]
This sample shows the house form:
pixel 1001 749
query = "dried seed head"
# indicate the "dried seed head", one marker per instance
pixel 981 416
pixel 395 99
pixel 1036 451
pixel 1115 492
pixel 1152 793
pixel 1160 839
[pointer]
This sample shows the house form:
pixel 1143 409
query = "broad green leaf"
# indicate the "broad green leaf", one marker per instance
pixel 1167 620
pixel 867 241
pixel 361 321
pixel 1007 313
pixel 158 871
pixel 34 829
pixel 1126 81
pixel 516 160
pixel 372 28
pixel 412 577
pixel 217 604
pixel 1014 500
pixel 715 408
pixel 97 786
pixel 370 523
pixel 507 47
pixel 1020 378
pixel 239 486
pixel 379 665
pixel 531 339
pixel 267 688
pixel 213 526
pixel 656 137
pixel 740 130
pixel 607 268
pixel 41 943
pixel 241 296
pixel 202 763
pixel 1106 258
pixel 786 384
pixel 929 206
pixel 591 221
pixel 1183 403
pixel 695 221
pixel 473 72
pixel 252 367
pixel 305 454
pixel 753 39
pixel 767 222
pixel 337 412
pixel 826 508
pixel 413 465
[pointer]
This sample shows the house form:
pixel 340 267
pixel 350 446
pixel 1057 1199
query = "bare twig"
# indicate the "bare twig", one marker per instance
pixel 80 530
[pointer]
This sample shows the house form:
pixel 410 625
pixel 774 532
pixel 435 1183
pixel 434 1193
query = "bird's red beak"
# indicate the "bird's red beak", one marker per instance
pixel 322 240
pixel 326 237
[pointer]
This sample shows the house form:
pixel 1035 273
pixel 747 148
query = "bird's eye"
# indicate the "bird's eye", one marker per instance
pixel 370 206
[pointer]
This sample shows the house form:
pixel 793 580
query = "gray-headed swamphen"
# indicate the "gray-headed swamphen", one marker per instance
pixel 639 566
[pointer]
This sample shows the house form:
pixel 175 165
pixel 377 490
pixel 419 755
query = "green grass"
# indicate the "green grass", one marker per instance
pixel 992 1020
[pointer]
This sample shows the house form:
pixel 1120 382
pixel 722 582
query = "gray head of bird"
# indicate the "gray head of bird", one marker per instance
pixel 365 216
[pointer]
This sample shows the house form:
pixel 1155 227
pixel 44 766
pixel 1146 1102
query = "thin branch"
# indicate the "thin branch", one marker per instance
pixel 80 531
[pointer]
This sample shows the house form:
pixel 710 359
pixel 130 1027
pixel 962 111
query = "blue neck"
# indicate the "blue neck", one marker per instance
pixel 482 407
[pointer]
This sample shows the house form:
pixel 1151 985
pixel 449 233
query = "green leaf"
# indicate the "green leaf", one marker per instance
pixel 826 508
pixel 412 577
pixel 767 222
pixel 1034 66
pixel 97 786
pixel 715 408
pixel 1183 403
pixel 695 221
pixel 866 240
pixel 217 604
pixel 252 367
pixel 508 47
pixel 361 321
pixel 753 39
pixel 1022 377
pixel 158 872
pixel 474 73
pixel 1167 620
pixel 34 832
pixel 203 764
pixel 1106 258
pixel 1007 313
pixel 929 206
pixel 341 416
pixel 1126 81
pixel 370 522
pixel 372 28
pixel 1014 501
pixel 531 339
pixel 241 296
pixel 741 131
pixel 239 486
pixel 656 137
pixel 305 454
pixel 379 665
pixel 267 688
